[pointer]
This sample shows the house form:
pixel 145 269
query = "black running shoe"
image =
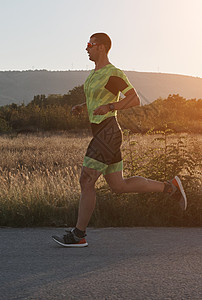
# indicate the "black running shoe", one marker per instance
pixel 70 240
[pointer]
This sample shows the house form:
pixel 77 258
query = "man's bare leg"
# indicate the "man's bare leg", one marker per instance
pixel 138 184
pixel 135 184
pixel 88 197
pixel 76 236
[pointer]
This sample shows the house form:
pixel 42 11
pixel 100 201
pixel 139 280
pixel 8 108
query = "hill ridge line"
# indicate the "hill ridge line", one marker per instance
pixel 20 86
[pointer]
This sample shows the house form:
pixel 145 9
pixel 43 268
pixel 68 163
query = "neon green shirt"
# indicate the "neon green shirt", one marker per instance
pixel 102 87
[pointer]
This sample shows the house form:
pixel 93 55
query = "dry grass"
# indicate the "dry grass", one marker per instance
pixel 40 171
pixel 39 175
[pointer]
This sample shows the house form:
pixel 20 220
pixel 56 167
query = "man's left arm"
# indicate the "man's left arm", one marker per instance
pixel 131 99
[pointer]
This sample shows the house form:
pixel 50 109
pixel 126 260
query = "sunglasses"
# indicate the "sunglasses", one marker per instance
pixel 90 45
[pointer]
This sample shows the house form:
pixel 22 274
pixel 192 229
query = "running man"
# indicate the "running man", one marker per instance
pixel 102 89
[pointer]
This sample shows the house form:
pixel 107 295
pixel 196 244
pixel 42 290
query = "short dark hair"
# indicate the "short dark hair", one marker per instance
pixel 104 39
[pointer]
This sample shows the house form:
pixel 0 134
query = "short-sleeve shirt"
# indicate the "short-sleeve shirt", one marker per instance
pixel 102 87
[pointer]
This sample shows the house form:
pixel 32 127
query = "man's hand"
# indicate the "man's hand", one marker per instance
pixel 77 109
pixel 101 110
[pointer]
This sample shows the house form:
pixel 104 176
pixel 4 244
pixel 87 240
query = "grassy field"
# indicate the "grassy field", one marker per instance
pixel 39 178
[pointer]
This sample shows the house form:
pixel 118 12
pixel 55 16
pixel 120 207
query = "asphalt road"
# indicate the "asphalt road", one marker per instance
pixel 119 263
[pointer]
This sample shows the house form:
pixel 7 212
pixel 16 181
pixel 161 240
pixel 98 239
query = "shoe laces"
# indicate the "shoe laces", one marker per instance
pixel 70 236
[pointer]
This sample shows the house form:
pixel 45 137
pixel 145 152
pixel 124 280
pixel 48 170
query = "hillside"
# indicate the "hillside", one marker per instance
pixel 21 86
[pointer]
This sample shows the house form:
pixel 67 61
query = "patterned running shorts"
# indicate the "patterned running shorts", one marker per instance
pixel 103 153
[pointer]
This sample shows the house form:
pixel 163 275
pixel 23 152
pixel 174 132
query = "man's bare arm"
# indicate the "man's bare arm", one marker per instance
pixel 131 99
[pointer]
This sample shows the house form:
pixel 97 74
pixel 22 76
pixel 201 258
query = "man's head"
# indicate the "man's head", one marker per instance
pixel 102 39
pixel 99 44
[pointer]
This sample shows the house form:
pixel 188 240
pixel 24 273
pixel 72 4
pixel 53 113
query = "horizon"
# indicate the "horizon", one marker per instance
pixel 87 70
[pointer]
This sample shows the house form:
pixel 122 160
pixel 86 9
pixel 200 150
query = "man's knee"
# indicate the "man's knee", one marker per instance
pixel 87 180
pixel 117 188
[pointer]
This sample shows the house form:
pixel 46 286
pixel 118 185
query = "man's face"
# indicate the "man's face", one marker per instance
pixel 93 52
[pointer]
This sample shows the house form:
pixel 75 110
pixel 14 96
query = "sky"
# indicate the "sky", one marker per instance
pixel 147 35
